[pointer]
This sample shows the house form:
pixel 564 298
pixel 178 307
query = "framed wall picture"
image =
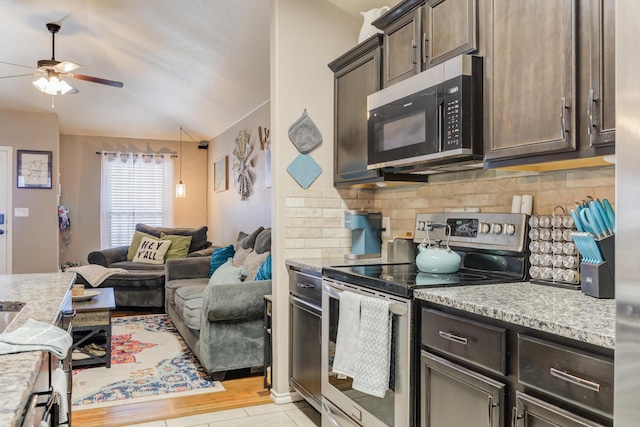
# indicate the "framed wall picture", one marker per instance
pixel 34 169
pixel 221 174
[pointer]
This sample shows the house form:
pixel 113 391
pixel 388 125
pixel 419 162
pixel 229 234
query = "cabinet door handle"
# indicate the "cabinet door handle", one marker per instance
pixel 514 417
pixel 590 112
pixel 451 337
pixel 491 406
pixel 415 52
pixel 425 40
pixel 305 285
pixel 564 126
pixel 590 385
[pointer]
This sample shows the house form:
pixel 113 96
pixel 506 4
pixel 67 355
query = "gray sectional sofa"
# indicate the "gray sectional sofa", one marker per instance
pixel 143 287
pixel 222 323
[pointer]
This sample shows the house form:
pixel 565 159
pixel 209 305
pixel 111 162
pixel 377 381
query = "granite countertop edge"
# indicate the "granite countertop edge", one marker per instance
pixel 563 312
pixel 45 295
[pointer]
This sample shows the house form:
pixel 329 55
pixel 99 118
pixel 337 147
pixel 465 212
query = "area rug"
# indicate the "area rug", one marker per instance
pixel 149 360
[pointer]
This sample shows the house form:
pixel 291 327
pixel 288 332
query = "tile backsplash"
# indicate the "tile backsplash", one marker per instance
pixel 315 217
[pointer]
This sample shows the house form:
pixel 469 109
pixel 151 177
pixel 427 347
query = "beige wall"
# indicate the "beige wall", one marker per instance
pixel 227 214
pixel 34 238
pixel 305 36
pixel 80 184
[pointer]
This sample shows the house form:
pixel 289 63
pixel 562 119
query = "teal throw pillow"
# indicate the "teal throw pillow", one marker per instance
pixel 264 273
pixel 219 257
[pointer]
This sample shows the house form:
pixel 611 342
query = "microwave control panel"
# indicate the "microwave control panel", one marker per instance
pixel 457 113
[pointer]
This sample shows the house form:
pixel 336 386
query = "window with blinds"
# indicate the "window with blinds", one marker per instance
pixel 136 188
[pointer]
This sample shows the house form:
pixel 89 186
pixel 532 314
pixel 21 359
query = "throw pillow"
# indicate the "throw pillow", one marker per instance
pixel 179 245
pixel 152 251
pixel 135 243
pixel 240 256
pixel 264 273
pixel 227 273
pixel 263 241
pixel 245 240
pixel 219 257
pixel 253 262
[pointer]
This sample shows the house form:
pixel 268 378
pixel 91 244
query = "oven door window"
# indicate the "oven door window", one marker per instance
pixel 405 128
pixel 381 408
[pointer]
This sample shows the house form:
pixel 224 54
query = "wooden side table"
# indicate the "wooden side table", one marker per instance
pixel 92 327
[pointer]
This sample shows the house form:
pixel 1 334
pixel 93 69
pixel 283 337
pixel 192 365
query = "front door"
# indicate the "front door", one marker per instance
pixel 6 165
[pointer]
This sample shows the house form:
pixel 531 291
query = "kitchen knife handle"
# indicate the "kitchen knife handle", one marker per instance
pixel 454 338
pixel 575 380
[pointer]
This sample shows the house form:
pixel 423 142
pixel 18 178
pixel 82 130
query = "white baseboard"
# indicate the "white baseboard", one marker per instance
pixel 282 398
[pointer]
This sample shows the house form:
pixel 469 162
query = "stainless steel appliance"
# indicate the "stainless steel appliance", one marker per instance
pixel 305 294
pixel 429 122
pixel 492 248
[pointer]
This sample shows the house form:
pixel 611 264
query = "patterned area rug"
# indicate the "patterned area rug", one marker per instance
pixel 149 360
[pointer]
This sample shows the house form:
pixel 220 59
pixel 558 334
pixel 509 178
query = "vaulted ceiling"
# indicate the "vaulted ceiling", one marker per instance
pixel 203 64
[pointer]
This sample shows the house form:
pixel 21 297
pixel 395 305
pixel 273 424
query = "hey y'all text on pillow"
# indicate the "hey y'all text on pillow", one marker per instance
pixel 152 251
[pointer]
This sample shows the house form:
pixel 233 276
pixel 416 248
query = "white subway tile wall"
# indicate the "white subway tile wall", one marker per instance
pixel 315 217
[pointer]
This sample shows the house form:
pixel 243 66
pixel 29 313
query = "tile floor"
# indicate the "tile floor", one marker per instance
pixel 297 414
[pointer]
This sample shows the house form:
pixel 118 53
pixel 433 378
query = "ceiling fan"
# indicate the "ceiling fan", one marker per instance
pixel 52 72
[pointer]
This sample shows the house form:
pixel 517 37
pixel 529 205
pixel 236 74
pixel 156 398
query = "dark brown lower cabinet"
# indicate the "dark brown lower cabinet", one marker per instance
pixel 456 396
pixel 532 412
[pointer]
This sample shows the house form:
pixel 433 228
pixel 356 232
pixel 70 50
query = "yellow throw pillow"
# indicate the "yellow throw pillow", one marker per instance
pixel 152 251
pixel 179 245
pixel 135 243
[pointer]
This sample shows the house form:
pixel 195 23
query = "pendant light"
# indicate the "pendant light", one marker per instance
pixel 181 189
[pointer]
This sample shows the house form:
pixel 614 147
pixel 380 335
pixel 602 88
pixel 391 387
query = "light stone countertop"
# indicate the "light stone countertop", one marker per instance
pixel 564 312
pixel 44 294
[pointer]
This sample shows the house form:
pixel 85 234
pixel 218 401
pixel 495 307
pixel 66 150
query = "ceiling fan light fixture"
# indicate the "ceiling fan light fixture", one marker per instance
pixel 181 189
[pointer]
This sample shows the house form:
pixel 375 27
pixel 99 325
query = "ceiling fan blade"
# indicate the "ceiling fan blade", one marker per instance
pixel 20 75
pixel 96 80
pixel 17 65
pixel 66 66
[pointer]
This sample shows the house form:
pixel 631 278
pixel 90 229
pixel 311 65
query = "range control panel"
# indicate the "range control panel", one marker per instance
pixel 505 232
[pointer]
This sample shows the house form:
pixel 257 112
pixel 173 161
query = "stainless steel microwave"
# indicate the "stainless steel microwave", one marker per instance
pixel 429 122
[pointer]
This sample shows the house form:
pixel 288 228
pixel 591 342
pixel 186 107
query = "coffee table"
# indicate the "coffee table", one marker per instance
pixel 92 327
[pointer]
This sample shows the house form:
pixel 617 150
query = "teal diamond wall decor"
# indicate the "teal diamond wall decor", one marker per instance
pixel 304 170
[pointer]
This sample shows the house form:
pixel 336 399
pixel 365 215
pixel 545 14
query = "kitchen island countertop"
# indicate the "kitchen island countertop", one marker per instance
pixel 563 312
pixel 44 294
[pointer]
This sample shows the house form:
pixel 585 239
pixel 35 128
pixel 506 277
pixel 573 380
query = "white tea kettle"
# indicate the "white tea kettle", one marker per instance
pixel 435 258
pixel 369 16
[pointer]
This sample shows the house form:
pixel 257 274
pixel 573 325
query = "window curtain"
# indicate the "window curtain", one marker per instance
pixel 135 188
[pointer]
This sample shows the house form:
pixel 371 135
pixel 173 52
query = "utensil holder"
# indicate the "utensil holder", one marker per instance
pixel 598 280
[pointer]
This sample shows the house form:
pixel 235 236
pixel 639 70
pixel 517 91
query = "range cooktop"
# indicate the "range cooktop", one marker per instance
pixel 403 279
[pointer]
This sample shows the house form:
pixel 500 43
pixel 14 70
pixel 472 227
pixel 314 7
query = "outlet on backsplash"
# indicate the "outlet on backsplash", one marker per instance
pixel 386 225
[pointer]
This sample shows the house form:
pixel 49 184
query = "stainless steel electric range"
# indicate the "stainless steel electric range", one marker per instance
pixel 493 249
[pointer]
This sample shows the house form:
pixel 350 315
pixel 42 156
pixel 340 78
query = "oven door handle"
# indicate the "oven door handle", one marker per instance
pixel 395 308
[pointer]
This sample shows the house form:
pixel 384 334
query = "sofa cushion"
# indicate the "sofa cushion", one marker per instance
pixel 227 273
pixel 152 251
pixel 263 241
pixel 264 273
pixel 253 262
pixel 191 313
pixel 198 235
pixel 179 245
pixel 219 257
pixel 172 287
pixel 246 241
pixel 186 293
pixel 135 243
pixel 240 256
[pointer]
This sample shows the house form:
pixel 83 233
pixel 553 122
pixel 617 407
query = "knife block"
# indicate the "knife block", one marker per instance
pixel 598 280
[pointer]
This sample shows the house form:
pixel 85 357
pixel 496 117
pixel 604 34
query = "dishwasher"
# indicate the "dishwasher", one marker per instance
pixel 305 309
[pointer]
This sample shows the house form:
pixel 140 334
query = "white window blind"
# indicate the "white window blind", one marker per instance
pixel 136 188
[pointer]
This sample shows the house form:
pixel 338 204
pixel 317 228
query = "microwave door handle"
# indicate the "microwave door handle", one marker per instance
pixel 440 126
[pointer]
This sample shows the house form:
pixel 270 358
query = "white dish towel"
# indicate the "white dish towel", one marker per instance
pixel 374 347
pixel 344 360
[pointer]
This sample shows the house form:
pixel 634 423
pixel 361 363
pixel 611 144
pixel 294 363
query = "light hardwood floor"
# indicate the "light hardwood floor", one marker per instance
pixel 238 393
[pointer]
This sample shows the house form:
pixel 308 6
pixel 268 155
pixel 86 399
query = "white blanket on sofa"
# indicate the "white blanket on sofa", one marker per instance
pixel 95 274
